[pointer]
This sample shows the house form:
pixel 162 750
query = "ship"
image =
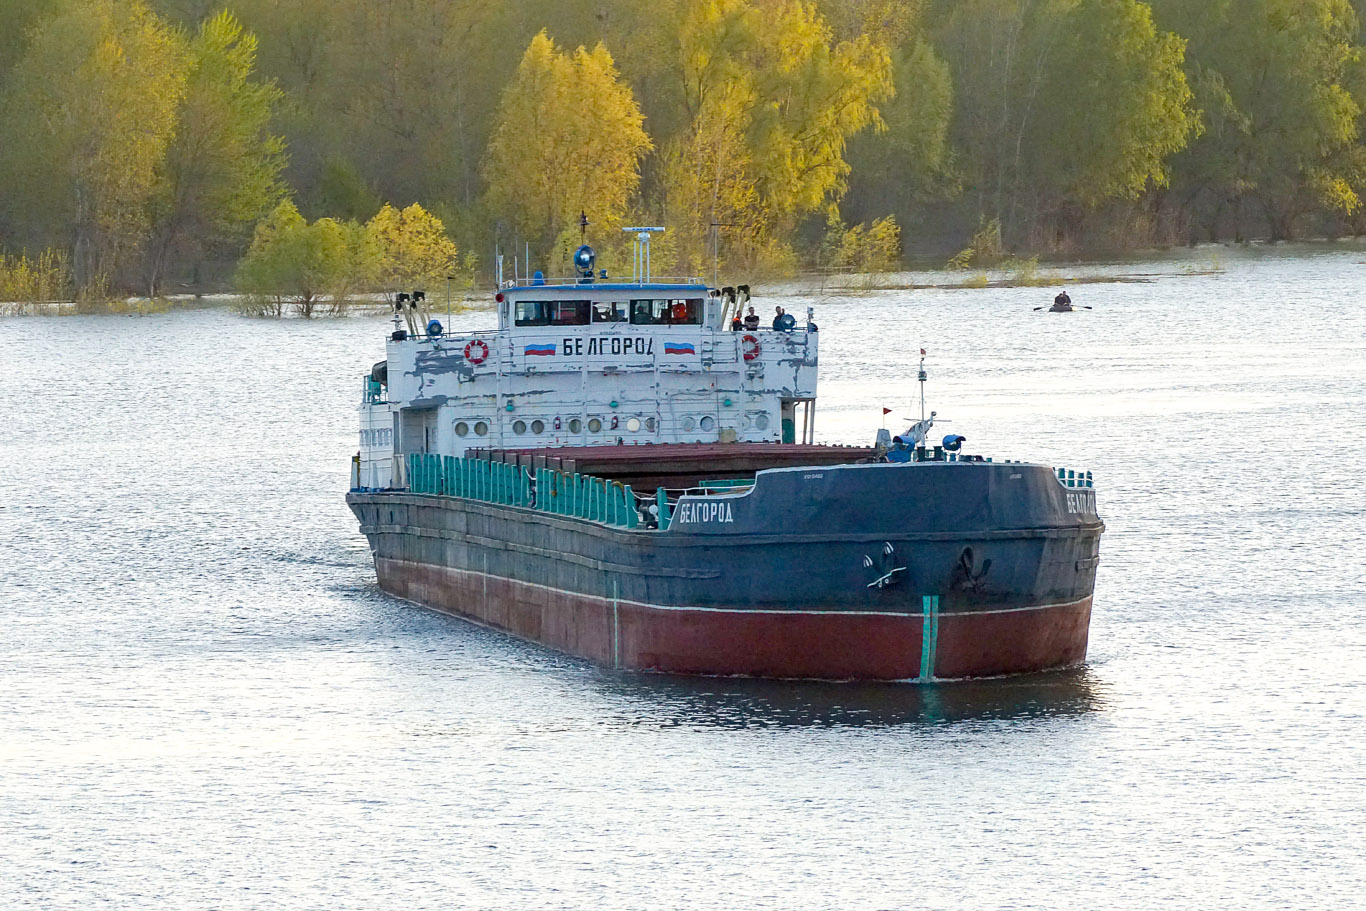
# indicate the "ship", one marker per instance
pixel 627 471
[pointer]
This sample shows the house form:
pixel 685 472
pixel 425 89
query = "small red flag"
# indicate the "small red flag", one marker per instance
pixel 886 411
pixel 922 352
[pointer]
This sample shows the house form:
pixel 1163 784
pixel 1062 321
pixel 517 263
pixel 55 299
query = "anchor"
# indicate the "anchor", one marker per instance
pixel 969 575
pixel 888 576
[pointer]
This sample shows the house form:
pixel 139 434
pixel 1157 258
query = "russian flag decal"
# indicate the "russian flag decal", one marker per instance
pixel 679 348
pixel 539 349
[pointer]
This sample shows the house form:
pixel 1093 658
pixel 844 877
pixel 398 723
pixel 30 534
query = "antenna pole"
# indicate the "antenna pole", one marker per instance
pixel 922 385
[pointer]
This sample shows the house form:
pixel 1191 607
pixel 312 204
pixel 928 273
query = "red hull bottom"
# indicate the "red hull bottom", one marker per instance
pixel 834 645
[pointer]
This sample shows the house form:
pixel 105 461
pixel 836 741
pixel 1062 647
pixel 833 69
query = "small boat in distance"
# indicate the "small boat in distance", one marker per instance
pixel 617 474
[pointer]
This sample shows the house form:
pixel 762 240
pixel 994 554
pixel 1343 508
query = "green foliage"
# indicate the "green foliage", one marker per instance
pixel 1280 82
pixel 1068 104
pixel 300 267
pixel 222 171
pixel 986 248
pixel 343 192
pixel 94 106
pixel 146 140
pixel 569 140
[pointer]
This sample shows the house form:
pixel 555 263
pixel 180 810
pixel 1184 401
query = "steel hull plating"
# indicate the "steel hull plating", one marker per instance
pixel 990 573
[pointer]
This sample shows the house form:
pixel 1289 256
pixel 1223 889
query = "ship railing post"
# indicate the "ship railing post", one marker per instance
pixel 662 501
pixel 632 516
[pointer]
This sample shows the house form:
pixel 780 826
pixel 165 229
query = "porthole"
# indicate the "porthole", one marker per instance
pixel 462 429
pixel 688 424
pixel 650 425
pixel 519 427
pixel 481 428
pixel 761 421
pixel 538 426
pixel 575 425
pixel 594 425
pixel 633 425
pixel 708 423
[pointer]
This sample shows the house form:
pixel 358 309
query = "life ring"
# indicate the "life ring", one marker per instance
pixel 750 346
pixel 476 352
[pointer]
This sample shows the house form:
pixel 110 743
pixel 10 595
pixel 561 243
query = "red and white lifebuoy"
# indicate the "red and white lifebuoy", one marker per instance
pixel 476 352
pixel 749 345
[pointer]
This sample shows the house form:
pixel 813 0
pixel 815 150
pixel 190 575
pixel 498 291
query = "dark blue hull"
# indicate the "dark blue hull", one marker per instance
pixel 870 571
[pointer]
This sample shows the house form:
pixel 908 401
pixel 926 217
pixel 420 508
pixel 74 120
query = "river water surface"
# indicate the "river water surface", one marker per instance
pixel 206 703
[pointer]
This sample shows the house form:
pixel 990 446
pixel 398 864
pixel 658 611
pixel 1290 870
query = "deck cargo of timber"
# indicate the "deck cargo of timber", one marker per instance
pixel 617 473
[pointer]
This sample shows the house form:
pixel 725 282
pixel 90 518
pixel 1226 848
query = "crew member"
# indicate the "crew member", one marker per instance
pixel 736 322
pixel 751 320
pixel 777 317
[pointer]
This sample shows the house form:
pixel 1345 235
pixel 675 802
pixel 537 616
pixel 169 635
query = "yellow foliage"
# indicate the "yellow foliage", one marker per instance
pixel 410 248
pixel 568 139
pixel 97 98
pixel 43 279
pixel 772 100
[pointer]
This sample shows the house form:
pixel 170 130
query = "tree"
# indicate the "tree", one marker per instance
pixel 1276 82
pixel 93 106
pixel 411 249
pixel 294 263
pixel 568 139
pixel 771 100
pixel 222 171
pixel 1063 106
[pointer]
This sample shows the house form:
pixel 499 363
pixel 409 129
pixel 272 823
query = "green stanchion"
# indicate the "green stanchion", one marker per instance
pixel 632 517
pixel 662 502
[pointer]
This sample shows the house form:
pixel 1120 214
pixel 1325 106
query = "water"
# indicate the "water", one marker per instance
pixel 206 703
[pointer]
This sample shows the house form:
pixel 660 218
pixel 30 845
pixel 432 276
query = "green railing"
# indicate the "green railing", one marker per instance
pixel 562 493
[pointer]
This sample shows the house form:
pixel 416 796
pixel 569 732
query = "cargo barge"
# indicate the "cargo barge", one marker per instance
pixel 616 473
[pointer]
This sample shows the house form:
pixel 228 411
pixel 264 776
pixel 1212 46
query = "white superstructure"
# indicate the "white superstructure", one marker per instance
pixel 589 362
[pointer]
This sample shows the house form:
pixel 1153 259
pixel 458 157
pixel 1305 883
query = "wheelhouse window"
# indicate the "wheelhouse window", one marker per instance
pixel 569 313
pixel 609 311
pixel 532 313
pixel 672 312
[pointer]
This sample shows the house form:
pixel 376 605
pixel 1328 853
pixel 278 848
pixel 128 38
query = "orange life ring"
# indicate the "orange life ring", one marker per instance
pixel 476 346
pixel 750 346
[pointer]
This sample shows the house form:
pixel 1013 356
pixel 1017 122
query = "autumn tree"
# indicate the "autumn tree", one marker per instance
pixel 771 100
pixel 221 173
pixel 93 107
pixel 568 139
pixel 410 249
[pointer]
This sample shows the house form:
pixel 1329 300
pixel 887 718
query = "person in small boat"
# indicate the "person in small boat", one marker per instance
pixel 1062 300
pixel 751 320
